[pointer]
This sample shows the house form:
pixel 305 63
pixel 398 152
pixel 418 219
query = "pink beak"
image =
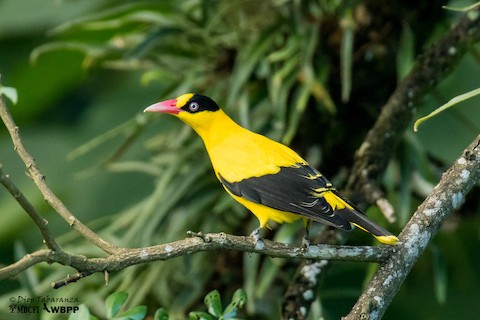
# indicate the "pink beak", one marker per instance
pixel 167 106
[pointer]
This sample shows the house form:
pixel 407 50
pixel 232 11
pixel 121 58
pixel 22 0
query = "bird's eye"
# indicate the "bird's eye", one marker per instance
pixel 193 106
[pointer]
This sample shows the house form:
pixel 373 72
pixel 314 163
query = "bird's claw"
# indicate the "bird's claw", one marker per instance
pixel 200 235
pixel 257 241
pixel 255 235
pixel 305 243
pixel 306 236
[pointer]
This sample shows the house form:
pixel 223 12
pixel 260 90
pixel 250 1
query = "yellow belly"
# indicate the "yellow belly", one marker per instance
pixel 265 214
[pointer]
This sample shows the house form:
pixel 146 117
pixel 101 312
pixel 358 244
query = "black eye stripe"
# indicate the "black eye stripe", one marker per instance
pixel 199 103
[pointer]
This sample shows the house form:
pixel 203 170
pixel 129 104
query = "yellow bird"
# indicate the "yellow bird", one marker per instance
pixel 267 177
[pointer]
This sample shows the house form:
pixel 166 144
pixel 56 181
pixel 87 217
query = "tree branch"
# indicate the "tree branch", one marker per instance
pixel 447 196
pixel 120 258
pixel 41 223
pixel 379 145
pixel 430 68
pixel 26 262
pixel 126 257
pixel 39 179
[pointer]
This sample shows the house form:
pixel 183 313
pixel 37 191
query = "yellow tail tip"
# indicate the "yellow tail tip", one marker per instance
pixel 387 239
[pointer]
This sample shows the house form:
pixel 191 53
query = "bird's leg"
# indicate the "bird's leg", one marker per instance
pixel 257 241
pixel 306 236
pixel 199 234
pixel 256 235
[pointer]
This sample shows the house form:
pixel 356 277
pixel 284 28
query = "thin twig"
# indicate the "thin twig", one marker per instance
pixel 70 279
pixel 447 197
pixel 41 223
pixel 48 195
pixel 26 262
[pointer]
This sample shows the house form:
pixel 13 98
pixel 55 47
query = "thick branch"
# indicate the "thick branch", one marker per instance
pixel 422 227
pixel 39 180
pixel 378 147
pixel 126 257
pixel 438 61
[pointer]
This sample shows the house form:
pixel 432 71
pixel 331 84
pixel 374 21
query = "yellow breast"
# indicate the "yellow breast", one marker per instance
pixel 237 153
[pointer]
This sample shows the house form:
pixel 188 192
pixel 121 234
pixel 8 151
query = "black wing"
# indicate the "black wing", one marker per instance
pixel 295 189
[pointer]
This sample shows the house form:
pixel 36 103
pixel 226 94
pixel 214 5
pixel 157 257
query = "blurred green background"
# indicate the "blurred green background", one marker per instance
pixel 312 74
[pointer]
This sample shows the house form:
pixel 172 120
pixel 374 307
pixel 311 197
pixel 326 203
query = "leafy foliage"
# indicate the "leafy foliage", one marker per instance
pixel 279 68
pixel 116 301
pixel 113 305
pixel 215 310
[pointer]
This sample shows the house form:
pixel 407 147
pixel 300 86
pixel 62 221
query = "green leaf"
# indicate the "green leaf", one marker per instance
pixel 348 28
pixel 406 52
pixel 114 303
pixel 199 315
pixel 405 192
pixel 82 313
pixel 300 102
pixel 238 300
pixel 213 302
pixel 129 127
pixel 287 52
pixel 462 9
pixel 440 275
pixel 161 314
pixel 247 60
pixel 267 275
pixel 91 52
pixel 10 93
pixel 135 313
pixel 251 264
pixel 447 105
pixel 117 11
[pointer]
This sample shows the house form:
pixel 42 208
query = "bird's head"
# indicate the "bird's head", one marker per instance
pixel 196 110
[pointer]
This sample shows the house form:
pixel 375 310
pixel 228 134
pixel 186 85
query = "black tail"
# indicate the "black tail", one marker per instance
pixel 360 220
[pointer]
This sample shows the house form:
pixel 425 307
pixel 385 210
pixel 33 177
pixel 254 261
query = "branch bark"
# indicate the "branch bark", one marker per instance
pixel 41 223
pixel 126 257
pixel 430 68
pixel 379 145
pixel 447 196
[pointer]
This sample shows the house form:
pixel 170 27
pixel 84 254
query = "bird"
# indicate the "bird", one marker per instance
pixel 267 177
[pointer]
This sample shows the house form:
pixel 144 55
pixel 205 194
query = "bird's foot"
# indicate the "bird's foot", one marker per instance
pixel 306 236
pixel 305 243
pixel 200 235
pixel 256 238
pixel 255 235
